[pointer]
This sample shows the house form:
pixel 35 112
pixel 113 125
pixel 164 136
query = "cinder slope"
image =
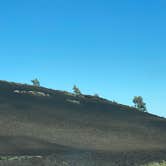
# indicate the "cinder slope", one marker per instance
pixel 39 124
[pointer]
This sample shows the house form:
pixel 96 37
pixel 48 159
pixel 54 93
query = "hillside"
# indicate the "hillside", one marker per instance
pixel 41 121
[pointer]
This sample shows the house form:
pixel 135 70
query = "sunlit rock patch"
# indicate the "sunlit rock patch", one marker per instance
pixel 35 93
pixel 73 101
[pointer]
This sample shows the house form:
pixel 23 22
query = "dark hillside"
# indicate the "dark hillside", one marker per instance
pixel 64 124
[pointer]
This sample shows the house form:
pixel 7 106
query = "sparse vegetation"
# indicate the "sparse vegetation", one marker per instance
pixel 36 82
pixel 115 102
pixel 139 103
pixel 52 160
pixel 163 163
pixel 31 161
pixel 44 122
pixel 96 95
pixel 10 158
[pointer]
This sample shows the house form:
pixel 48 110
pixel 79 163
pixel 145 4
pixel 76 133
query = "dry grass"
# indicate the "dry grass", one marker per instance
pixel 163 163
pixel 54 161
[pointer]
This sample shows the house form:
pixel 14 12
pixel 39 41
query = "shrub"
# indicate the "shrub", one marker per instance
pixel 35 82
pixel 163 163
pixel 96 95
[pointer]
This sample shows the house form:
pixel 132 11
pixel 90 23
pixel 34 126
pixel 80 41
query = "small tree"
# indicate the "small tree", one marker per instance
pixel 96 95
pixel 76 90
pixel 35 82
pixel 139 103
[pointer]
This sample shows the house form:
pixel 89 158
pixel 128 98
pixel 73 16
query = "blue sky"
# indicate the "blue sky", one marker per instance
pixel 113 48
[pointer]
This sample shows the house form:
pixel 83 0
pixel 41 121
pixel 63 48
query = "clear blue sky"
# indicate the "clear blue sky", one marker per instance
pixel 114 48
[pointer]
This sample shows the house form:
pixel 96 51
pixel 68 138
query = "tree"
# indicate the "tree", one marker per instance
pixel 76 90
pixel 35 82
pixel 139 103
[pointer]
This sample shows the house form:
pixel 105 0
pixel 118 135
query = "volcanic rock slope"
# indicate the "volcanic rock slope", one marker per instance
pixel 73 126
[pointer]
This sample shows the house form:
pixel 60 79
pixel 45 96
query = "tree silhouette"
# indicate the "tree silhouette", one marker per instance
pixel 139 103
pixel 35 82
pixel 76 90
